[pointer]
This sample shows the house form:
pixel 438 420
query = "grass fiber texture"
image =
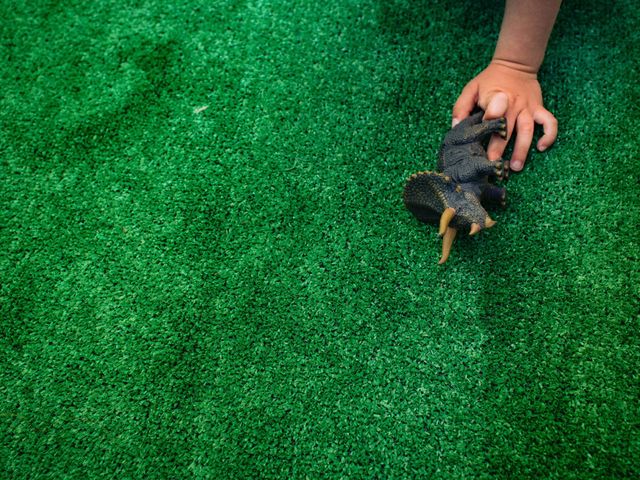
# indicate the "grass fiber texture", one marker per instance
pixel 208 271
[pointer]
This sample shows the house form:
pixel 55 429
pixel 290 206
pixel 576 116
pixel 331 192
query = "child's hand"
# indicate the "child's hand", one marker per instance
pixel 505 90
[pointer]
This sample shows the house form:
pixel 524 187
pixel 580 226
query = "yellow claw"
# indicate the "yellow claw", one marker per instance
pixel 489 222
pixel 447 241
pixel 446 217
pixel 475 228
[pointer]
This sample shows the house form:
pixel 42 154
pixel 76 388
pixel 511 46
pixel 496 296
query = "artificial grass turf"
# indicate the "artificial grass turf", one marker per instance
pixel 236 291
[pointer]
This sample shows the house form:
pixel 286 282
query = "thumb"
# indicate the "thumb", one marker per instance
pixel 497 106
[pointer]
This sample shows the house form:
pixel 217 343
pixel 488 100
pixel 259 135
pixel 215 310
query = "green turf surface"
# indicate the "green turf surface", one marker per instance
pixel 208 272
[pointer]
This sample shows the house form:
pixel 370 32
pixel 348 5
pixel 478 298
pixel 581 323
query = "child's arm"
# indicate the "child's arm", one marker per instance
pixel 509 85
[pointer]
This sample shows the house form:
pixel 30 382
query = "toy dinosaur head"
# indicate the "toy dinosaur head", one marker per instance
pixel 434 198
pixel 469 215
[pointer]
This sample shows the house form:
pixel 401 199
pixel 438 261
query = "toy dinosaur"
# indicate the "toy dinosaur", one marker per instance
pixel 453 196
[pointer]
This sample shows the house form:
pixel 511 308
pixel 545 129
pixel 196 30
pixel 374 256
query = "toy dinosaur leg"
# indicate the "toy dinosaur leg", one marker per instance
pixel 464 133
pixel 497 168
pixel 477 167
pixel 494 194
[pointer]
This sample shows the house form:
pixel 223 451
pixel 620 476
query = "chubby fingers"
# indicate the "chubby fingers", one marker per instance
pixel 465 104
pixel 549 126
pixel 524 136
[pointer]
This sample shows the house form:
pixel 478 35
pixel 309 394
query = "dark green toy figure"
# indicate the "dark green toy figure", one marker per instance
pixel 453 197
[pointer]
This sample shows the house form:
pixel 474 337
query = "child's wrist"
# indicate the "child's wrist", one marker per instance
pixel 514 65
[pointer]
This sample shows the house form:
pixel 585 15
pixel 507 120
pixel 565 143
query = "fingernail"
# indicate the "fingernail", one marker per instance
pixel 542 148
pixel 454 122
pixel 515 165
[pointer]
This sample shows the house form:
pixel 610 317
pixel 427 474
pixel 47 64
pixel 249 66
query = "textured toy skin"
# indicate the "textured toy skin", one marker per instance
pixel 453 196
